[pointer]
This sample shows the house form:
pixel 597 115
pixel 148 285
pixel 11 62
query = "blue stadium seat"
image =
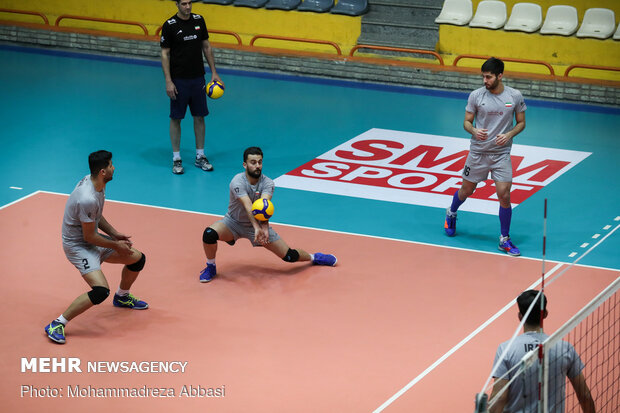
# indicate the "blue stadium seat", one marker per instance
pixel 283 4
pixel 319 6
pixel 223 2
pixel 251 3
pixel 350 7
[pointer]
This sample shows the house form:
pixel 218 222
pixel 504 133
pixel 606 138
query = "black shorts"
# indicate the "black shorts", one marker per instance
pixel 190 92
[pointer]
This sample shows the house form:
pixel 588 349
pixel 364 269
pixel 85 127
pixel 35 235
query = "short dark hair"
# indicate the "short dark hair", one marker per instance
pixel 525 300
pixel 493 65
pixel 252 150
pixel 99 160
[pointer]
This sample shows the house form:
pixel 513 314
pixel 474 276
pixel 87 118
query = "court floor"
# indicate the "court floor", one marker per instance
pixel 402 303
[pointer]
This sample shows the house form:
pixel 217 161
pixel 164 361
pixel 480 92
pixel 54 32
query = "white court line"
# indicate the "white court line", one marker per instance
pixel 585 244
pixel 19 200
pixel 572 254
pixel 460 344
pixel 595 236
pixel 318 229
pixel 15 187
pixel 445 356
pixel 606 227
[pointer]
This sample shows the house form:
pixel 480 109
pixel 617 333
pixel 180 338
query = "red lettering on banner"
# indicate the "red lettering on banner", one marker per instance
pixel 402 179
pixel 430 158
pixel 548 168
pixel 377 153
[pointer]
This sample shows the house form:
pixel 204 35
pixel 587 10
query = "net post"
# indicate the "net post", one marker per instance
pixel 481 403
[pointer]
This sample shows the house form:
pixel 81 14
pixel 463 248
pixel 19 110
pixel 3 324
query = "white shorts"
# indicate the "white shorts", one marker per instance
pixel 243 230
pixel 478 166
pixel 87 257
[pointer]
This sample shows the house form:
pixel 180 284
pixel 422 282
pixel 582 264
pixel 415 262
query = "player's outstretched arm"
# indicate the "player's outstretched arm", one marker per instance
pixel 498 407
pixel 583 393
pixel 261 232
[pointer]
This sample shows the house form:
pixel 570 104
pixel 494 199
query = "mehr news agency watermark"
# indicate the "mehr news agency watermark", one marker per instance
pixel 75 365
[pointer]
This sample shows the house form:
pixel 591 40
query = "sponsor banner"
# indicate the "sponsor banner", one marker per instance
pixel 421 169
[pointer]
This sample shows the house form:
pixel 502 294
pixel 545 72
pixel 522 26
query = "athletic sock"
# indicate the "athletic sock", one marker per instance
pixel 311 257
pixel 61 319
pixel 176 156
pixel 456 202
pixel 200 153
pixel 210 260
pixel 505 215
pixel 122 292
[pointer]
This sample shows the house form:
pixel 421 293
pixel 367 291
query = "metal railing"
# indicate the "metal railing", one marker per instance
pixel 101 20
pixel 31 13
pixel 397 49
pixel 505 59
pixel 296 39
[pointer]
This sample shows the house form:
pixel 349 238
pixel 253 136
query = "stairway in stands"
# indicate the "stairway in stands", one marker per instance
pixel 401 23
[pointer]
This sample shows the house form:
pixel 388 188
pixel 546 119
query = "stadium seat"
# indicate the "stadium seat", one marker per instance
pixel 597 23
pixel 350 7
pixel 251 3
pixel 525 17
pixel 457 12
pixel 223 2
pixel 617 33
pixel 560 20
pixel 319 6
pixel 282 4
pixel 490 14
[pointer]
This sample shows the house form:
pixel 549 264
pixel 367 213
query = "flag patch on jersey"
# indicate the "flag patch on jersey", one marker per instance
pixel 197 27
pixel 508 104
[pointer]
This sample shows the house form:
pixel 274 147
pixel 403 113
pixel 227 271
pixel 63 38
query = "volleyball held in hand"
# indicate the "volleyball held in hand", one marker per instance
pixel 215 89
pixel 262 209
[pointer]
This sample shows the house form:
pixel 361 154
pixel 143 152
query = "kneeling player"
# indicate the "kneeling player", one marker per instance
pixel 245 188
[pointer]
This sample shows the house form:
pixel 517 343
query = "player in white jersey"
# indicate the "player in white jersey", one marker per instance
pixel 86 248
pixel 564 362
pixel 245 188
pixel 493 107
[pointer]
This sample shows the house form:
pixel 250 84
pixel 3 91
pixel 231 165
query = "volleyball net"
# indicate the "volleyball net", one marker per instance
pixel 583 355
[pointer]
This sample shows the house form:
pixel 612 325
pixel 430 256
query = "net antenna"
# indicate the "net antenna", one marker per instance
pixel 544 251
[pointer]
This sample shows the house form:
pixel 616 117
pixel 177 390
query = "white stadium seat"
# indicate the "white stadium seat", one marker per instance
pixel 617 33
pixel 561 20
pixel 458 12
pixel 597 23
pixel 490 14
pixel 525 17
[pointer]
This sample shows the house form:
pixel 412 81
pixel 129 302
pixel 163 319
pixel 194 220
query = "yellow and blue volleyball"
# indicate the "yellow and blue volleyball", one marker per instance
pixel 215 89
pixel 262 209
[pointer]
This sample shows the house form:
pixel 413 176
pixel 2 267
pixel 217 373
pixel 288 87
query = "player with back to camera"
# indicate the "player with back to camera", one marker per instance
pixel 522 395
pixel 184 40
pixel 245 188
pixel 493 108
pixel 86 248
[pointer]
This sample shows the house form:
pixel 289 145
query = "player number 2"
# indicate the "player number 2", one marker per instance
pixel 85 262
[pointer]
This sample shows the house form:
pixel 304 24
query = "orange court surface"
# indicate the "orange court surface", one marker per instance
pixel 264 336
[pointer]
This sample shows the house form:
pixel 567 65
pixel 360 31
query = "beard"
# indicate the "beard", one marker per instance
pixel 255 173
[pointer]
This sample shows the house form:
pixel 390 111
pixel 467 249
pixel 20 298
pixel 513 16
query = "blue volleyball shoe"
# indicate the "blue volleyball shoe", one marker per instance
pixel 324 259
pixel 208 273
pixel 56 331
pixel 506 245
pixel 450 224
pixel 129 301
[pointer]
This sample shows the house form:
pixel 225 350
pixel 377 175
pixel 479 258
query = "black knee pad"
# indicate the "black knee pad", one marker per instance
pixel 291 255
pixel 98 294
pixel 138 265
pixel 210 236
